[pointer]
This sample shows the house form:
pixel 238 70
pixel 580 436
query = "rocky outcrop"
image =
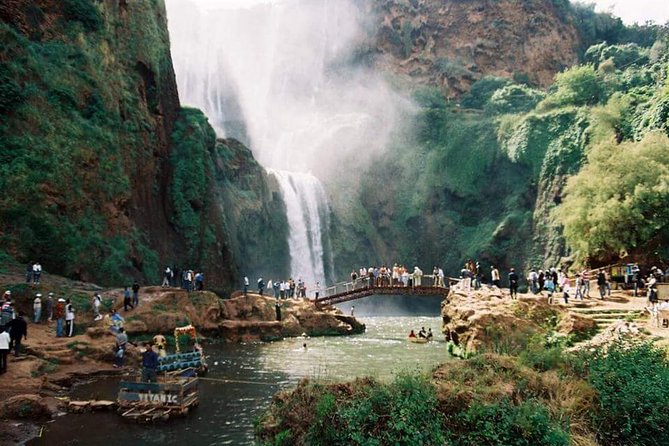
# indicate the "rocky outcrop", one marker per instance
pixel 453 43
pixel 488 320
pixel 241 318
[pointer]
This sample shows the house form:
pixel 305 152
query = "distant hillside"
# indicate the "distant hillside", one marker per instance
pixel 453 43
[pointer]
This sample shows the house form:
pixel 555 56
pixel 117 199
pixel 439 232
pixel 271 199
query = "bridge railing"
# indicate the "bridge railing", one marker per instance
pixel 344 287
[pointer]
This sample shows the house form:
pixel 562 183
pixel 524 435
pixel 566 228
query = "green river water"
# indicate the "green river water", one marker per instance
pixel 227 410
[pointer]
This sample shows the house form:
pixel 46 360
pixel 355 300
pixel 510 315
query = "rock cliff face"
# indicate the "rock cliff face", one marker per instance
pixel 453 43
pixel 104 176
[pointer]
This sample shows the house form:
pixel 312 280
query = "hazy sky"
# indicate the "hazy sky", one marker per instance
pixel 632 11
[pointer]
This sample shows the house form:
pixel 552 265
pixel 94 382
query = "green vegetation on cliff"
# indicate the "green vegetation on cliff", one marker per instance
pixel 486 178
pixel 83 108
pixel 104 177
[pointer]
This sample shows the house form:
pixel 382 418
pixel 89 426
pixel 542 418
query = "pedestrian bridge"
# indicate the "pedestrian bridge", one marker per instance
pixel 348 291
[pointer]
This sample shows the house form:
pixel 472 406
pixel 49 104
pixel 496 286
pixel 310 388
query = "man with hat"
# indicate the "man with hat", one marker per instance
pixel 37 307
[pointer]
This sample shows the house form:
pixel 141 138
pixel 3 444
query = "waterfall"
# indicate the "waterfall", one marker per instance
pixel 281 76
pixel 308 219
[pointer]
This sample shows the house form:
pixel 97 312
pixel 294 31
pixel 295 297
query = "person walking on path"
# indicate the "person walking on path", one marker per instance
pixel 601 284
pixel 513 283
pixel 578 287
pixel 261 286
pixel 37 273
pixel 69 319
pixel 199 281
pixel 494 274
pixel 317 289
pixel 97 302
pixel 149 364
pixel 29 272
pixel 126 299
pixel 246 285
pixel 5 340
pixel 48 307
pixel 18 329
pixel 167 276
pixel 59 315
pixel 121 343
pixel 135 294
pixel 37 308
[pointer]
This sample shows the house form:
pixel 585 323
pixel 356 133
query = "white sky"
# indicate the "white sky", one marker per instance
pixel 639 11
pixel 630 11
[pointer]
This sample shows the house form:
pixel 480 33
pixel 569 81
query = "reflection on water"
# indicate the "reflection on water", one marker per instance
pixel 227 409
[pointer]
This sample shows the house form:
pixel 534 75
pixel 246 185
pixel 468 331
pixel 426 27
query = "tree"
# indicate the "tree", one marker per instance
pixel 579 86
pixel 617 202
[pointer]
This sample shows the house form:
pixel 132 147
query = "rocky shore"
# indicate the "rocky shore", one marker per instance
pixel 36 384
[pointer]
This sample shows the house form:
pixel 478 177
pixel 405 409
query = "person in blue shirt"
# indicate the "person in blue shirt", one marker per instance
pixel 149 364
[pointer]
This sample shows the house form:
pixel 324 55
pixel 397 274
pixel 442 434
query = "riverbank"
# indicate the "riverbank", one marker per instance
pixel 583 374
pixel 38 379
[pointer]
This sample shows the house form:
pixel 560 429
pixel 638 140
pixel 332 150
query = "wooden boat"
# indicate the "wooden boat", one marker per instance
pixel 417 340
pixel 186 363
pixel 149 402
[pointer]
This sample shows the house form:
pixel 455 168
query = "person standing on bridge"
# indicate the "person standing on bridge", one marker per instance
pixel 354 278
pixel 441 276
pixel 417 276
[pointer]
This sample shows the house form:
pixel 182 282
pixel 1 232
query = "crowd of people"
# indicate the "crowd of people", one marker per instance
pixel 186 279
pixel 283 289
pixel 397 276
pixel 555 280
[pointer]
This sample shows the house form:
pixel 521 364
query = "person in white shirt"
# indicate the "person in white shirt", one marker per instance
pixel 69 319
pixel 97 302
pixel 37 307
pixel 37 273
pixel 4 350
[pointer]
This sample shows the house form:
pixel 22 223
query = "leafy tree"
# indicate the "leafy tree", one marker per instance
pixel 617 202
pixel 514 99
pixel 482 90
pixel 579 86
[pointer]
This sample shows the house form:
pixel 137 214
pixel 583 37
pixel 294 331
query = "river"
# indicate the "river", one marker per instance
pixel 254 372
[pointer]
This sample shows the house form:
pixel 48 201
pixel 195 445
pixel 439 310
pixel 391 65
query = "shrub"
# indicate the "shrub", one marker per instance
pixel 632 383
pixel 514 99
pixel 506 424
pixel 482 90
pixel 85 12
pixel 579 86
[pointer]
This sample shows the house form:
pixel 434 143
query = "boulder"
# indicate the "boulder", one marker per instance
pixel 31 407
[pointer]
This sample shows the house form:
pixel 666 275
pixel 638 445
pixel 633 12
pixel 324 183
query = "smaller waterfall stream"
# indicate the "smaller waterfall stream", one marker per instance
pixel 308 213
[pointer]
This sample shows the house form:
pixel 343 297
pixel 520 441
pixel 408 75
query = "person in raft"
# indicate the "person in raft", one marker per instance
pixel 422 333
pixel 412 334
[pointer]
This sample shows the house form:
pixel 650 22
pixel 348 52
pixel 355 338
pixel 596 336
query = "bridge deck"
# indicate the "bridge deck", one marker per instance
pixel 347 296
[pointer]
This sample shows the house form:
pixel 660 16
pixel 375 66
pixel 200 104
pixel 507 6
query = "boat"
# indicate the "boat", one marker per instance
pixel 184 363
pixel 417 340
pixel 146 402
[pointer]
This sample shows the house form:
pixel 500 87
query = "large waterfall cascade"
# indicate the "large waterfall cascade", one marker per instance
pixel 276 74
